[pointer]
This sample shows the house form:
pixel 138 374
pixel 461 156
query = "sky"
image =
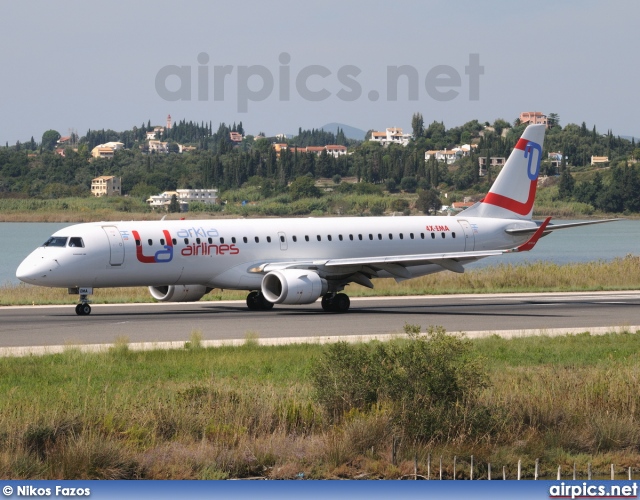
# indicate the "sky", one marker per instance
pixel 278 66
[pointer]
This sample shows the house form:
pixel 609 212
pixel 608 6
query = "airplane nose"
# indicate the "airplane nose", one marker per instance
pixel 35 270
pixel 26 272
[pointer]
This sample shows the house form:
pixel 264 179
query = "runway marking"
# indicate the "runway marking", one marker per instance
pixel 597 298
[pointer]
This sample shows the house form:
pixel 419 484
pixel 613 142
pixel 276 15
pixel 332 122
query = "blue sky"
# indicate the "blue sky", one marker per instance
pixel 80 65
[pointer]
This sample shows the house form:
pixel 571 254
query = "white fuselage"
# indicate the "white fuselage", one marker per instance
pixel 226 253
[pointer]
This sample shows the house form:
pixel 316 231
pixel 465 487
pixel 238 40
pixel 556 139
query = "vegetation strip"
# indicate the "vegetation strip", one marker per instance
pixel 362 410
pixel 319 340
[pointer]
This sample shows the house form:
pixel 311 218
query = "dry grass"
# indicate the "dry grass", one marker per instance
pixel 250 411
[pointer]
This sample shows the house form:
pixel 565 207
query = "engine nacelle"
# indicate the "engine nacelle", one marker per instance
pixel 178 293
pixel 293 286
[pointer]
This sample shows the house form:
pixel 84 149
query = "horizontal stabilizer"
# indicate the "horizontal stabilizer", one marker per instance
pixel 554 227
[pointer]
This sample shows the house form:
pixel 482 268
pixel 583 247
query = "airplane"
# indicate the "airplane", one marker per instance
pixel 294 260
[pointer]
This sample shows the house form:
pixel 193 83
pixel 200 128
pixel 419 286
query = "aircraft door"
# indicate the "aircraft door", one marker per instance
pixel 469 238
pixel 283 240
pixel 116 245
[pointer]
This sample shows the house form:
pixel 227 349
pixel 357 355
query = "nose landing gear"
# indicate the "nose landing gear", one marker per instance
pixel 83 308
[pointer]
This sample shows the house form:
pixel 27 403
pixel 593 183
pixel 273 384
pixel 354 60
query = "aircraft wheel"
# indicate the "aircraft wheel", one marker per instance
pixel 83 309
pixel 265 305
pixel 257 302
pixel 341 303
pixel 327 302
pixel 253 302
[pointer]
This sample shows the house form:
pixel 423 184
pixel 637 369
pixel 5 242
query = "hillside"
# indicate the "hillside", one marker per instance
pixel 384 177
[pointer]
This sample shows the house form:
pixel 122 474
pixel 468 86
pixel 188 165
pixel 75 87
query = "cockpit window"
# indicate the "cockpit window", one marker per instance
pixel 56 241
pixel 76 242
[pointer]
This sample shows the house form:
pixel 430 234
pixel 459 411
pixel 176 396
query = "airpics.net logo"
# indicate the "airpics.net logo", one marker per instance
pixel 313 82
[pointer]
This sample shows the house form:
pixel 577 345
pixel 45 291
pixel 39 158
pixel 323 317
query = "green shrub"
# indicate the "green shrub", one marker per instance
pixel 430 384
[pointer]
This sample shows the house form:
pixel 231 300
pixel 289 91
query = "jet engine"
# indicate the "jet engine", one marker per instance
pixel 293 286
pixel 178 293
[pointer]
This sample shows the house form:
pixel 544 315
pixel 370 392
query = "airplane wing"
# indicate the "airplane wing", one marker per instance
pixel 396 264
pixel 554 227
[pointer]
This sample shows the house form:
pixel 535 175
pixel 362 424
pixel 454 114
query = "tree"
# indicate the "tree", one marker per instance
pixel 417 123
pixel 174 206
pixel 499 125
pixel 429 201
pixel 304 187
pixel 50 139
pixel 408 184
pixel 553 120
pixel 566 185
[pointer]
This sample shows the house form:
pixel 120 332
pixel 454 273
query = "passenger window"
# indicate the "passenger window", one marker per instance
pixel 56 241
pixel 162 241
pixel 379 236
pixel 453 235
pixel 197 241
pixel 233 239
pixel 295 238
pixel 390 236
pixel 222 241
pixel 257 239
pixel 268 239
pixel 138 243
pixel 411 235
pixel 175 242
pixel 370 236
pixel 329 237
pixel 210 240
pixel 360 237
pixel 340 237
pixel 351 237
pixel 244 238
pixel 186 241
pixel 281 239
pixel 443 235
pixel 76 242
pixel 306 238
pixel 401 236
pixel 422 236
pixel 319 238
pixel 433 236
pixel 150 241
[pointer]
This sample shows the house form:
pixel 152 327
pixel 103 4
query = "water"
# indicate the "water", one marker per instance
pixel 582 244
pixel 19 239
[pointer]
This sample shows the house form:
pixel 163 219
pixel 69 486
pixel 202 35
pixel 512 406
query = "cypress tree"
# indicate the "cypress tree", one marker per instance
pixel 566 185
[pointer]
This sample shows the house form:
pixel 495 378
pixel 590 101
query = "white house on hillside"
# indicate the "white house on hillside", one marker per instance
pixel 184 197
pixel 392 135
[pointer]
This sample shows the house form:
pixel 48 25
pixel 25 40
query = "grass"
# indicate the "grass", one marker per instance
pixel 618 274
pixel 251 411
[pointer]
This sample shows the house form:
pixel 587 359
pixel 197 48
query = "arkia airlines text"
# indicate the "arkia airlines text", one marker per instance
pixel 293 261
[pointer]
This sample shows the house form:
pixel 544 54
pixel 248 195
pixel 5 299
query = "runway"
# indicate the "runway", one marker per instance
pixel 25 326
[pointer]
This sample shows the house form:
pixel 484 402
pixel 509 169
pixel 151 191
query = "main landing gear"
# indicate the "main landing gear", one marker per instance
pixel 336 302
pixel 257 302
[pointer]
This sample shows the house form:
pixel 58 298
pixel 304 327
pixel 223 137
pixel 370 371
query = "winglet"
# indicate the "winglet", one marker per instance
pixel 531 242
